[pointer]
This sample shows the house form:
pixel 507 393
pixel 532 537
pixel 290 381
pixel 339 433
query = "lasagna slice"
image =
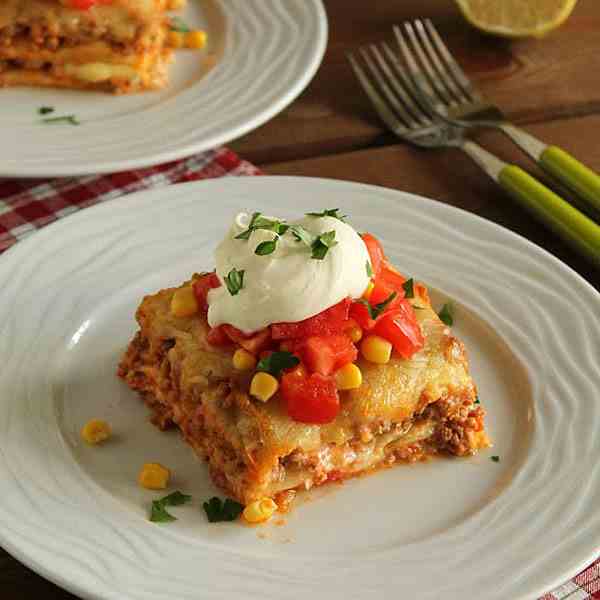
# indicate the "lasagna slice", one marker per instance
pixel 403 411
pixel 113 45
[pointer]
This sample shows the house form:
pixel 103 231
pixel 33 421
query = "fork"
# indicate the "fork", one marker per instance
pixel 388 86
pixel 455 99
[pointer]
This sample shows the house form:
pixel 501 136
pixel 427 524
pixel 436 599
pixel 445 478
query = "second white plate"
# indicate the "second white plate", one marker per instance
pixel 260 56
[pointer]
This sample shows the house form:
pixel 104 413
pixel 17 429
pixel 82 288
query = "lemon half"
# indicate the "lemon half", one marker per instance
pixel 517 18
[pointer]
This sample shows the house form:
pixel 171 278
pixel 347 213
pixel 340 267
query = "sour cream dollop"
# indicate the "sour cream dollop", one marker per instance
pixel 286 285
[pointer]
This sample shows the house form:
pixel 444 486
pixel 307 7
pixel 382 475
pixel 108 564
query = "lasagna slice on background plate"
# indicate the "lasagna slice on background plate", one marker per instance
pixel 111 45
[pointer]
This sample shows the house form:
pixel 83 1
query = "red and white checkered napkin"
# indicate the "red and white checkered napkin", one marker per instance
pixel 26 206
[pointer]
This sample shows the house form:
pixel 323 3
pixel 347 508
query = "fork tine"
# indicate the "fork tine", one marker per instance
pixel 400 87
pixel 419 83
pixel 459 75
pixel 386 115
pixel 442 72
pixel 396 105
pixel 426 67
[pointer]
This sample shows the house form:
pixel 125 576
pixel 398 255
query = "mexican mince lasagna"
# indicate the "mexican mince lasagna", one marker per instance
pixel 113 45
pixel 304 358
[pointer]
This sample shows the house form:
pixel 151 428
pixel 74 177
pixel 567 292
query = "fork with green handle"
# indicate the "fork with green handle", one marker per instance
pixel 388 85
pixel 452 95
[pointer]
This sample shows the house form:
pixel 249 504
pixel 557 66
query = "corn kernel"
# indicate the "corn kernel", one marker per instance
pixel 260 511
pixel 176 39
pixel 95 431
pixel 195 39
pixel 243 360
pixel 183 302
pixel 154 476
pixel 376 349
pixel 349 377
pixel 367 293
pixel 263 386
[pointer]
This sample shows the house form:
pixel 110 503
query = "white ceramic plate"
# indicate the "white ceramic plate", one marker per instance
pixel 260 56
pixel 455 528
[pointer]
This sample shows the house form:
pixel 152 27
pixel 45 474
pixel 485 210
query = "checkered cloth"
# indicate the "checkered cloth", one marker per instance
pixel 26 206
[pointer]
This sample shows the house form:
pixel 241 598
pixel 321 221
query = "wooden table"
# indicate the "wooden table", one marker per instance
pixel 550 86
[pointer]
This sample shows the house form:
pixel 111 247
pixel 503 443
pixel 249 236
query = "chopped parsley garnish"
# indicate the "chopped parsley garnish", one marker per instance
pixel 259 222
pixel 160 514
pixel 45 110
pixel 322 245
pixel 369 270
pixel 268 247
pixel 328 212
pixel 476 400
pixel 72 119
pixel 495 458
pixel 303 235
pixel 445 314
pixel 178 24
pixel 409 288
pixel 375 311
pixel 234 281
pixel 217 510
pixel 276 362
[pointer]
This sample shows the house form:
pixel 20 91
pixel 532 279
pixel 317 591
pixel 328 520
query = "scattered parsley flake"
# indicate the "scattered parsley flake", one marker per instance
pixel 217 510
pixel 369 270
pixel 476 400
pixel 259 222
pixel 495 458
pixel 409 288
pixel 328 212
pixel 159 512
pixel 276 362
pixel 445 314
pixel 375 311
pixel 303 235
pixel 45 110
pixel 178 24
pixel 322 245
pixel 234 281
pixel 71 119
pixel 265 248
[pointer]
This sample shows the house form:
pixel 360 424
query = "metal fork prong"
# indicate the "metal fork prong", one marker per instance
pixel 400 87
pixel 459 75
pixel 419 84
pixel 393 102
pixel 442 72
pixel 440 92
pixel 386 115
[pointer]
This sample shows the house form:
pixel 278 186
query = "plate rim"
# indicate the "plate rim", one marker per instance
pixel 153 195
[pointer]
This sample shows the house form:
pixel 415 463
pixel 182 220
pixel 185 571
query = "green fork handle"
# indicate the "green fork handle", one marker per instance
pixel 559 163
pixel 572 173
pixel 573 226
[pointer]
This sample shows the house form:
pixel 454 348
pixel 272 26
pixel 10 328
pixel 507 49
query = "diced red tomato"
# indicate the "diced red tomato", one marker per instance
pixel 360 313
pixel 382 291
pixel 217 337
pixel 254 343
pixel 326 354
pixel 400 327
pixel 391 277
pixel 311 399
pixel 375 252
pixel 202 286
pixel 86 4
pixel 330 321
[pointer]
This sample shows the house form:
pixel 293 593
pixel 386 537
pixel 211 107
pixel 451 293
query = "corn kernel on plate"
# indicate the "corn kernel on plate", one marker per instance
pixel 79 513
pixel 256 57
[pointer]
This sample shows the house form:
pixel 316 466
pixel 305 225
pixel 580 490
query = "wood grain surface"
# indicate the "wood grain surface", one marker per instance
pixel 550 86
